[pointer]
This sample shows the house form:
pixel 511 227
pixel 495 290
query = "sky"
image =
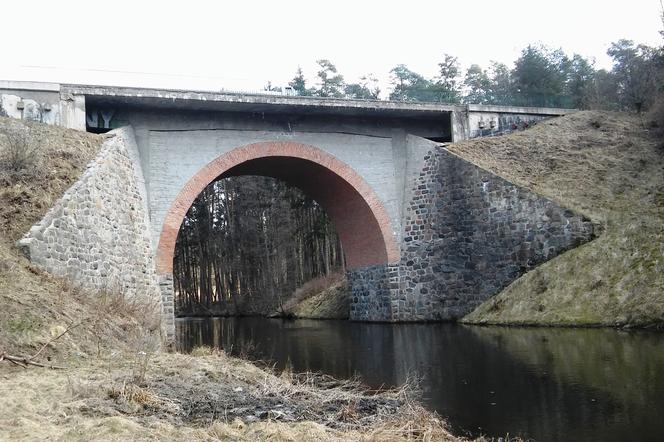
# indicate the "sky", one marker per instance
pixel 243 44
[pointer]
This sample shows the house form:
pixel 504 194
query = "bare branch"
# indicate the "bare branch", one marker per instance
pixel 25 361
pixel 71 327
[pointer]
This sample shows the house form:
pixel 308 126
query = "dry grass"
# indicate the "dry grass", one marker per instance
pixel 211 397
pixel 61 154
pixel 610 167
pixel 656 115
pixel 46 305
pixel 326 297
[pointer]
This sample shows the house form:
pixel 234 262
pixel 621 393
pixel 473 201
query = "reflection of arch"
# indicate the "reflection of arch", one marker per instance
pixel 359 217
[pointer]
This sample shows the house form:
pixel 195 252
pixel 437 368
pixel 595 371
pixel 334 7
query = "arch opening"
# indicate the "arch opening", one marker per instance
pixel 361 221
pixel 248 243
pixel 351 216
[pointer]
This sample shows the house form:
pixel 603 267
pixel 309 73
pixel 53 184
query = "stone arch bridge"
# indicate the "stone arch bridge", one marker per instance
pixel 427 235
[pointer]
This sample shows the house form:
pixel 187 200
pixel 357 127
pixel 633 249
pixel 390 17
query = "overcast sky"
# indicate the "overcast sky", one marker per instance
pixel 244 44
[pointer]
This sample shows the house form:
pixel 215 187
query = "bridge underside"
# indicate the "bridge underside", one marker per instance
pixel 353 219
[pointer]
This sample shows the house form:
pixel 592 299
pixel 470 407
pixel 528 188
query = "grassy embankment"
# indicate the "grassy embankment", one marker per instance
pixel 117 385
pixel 609 167
pixel 326 297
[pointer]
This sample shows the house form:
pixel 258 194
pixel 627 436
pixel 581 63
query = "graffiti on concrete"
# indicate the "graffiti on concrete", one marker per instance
pixel 99 118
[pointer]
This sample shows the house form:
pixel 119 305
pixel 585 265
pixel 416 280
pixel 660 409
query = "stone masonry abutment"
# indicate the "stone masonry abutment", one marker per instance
pixel 97 235
pixel 467 234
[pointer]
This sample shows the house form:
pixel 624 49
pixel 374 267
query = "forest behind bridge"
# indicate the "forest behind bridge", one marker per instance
pixel 247 243
pixel 540 76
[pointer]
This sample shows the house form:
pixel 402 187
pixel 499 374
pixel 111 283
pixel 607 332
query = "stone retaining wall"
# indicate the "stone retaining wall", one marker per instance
pixel 371 294
pixel 467 234
pixel 97 235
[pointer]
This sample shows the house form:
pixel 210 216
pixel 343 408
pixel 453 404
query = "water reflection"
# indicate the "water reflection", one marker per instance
pixel 547 384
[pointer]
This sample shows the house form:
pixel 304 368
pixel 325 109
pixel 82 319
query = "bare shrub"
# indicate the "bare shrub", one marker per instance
pixel 131 320
pixel 19 153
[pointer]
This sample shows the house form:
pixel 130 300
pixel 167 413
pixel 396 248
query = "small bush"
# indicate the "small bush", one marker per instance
pixel 19 153
pixel 133 321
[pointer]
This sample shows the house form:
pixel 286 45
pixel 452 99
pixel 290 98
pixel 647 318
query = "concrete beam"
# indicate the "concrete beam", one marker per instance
pixel 549 111
pixel 29 86
pixel 72 111
pixel 257 103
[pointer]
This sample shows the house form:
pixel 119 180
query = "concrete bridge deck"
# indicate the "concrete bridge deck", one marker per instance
pixel 65 104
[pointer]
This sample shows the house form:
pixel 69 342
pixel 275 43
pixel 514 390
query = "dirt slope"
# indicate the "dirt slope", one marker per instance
pixel 609 167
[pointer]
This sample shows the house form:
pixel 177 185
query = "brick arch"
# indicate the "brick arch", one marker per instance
pixel 359 217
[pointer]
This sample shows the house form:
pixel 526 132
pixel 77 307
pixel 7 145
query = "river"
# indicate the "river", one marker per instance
pixel 542 383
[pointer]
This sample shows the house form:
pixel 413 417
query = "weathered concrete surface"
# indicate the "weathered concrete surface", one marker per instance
pixel 65 105
pixel 31 101
pixel 72 111
pixel 489 120
pixel 97 235
pixel 239 102
pixel 458 122
pixel 42 102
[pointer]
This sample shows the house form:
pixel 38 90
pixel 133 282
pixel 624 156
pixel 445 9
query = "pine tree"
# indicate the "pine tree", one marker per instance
pixel 299 84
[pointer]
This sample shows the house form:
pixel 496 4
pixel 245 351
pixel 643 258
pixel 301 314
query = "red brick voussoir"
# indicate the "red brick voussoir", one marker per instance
pixel 361 220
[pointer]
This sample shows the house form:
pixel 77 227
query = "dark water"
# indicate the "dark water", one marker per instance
pixel 545 384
